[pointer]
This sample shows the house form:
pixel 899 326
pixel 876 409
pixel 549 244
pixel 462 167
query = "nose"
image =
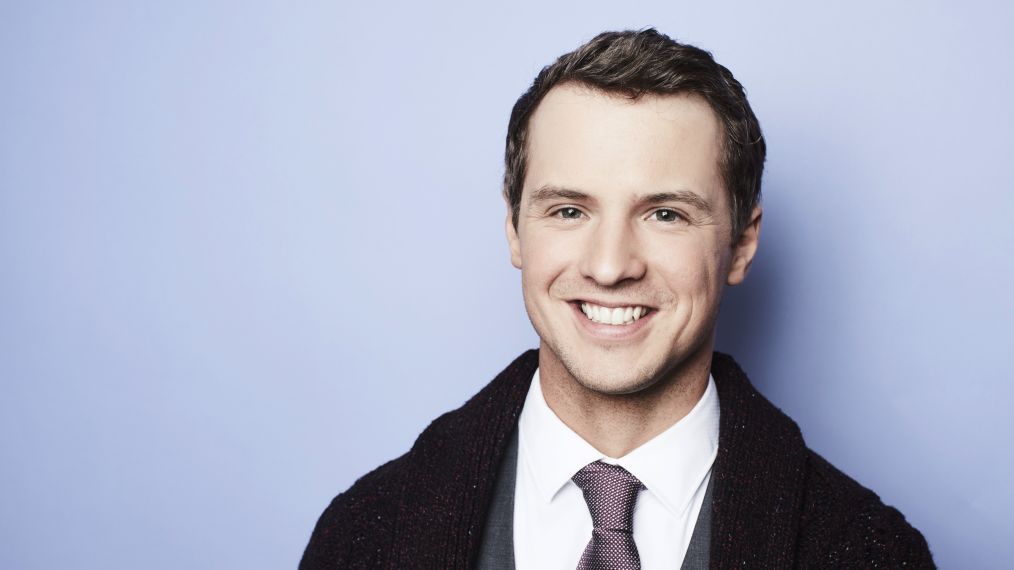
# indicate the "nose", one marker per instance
pixel 612 254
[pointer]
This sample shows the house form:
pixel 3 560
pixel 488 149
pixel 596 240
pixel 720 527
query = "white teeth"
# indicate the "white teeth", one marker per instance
pixel 618 316
pixel 615 316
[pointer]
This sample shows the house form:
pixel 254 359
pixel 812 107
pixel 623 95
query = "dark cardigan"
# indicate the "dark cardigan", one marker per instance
pixel 776 503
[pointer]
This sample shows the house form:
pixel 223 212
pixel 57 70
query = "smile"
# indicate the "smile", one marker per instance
pixel 616 316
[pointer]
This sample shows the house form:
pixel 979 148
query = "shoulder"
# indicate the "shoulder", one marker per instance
pixel 434 489
pixel 843 523
pixel 778 500
pixel 359 525
pixel 356 523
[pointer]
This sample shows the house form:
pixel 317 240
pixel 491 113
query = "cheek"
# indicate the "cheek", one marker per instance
pixel 543 261
pixel 541 283
pixel 693 270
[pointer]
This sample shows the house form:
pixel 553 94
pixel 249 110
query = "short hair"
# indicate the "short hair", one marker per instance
pixel 647 62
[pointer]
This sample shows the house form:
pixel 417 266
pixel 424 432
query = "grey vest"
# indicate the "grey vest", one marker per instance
pixel 497 549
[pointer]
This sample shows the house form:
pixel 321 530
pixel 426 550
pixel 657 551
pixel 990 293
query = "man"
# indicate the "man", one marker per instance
pixel 633 172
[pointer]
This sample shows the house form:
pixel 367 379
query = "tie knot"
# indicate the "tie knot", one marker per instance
pixel 611 492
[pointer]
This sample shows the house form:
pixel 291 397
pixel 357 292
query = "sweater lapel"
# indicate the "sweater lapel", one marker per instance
pixel 453 466
pixel 758 476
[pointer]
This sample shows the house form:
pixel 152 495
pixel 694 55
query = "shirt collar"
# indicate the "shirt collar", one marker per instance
pixel 672 465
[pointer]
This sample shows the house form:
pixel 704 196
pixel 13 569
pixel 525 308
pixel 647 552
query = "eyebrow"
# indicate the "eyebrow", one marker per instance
pixel 685 196
pixel 545 193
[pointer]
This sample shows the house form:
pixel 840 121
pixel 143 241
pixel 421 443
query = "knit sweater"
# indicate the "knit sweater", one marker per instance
pixel 776 503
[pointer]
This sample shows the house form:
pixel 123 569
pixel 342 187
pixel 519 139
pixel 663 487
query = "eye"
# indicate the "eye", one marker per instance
pixel 568 213
pixel 667 215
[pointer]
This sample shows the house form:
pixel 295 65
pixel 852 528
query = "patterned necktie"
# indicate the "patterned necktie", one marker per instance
pixel 610 492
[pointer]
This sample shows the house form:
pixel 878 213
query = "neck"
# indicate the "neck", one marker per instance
pixel 616 424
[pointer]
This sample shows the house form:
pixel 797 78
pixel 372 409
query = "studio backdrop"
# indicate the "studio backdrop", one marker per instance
pixel 248 250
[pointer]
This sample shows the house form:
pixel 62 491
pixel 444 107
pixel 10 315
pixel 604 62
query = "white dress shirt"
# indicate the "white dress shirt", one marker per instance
pixel 552 525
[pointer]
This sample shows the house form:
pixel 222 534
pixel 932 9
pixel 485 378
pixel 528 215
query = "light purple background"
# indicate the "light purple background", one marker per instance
pixel 248 250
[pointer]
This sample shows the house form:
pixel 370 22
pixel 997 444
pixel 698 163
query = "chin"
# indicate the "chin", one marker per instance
pixel 613 386
pixel 614 380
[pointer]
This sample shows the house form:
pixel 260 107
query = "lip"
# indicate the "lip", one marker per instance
pixel 609 304
pixel 610 332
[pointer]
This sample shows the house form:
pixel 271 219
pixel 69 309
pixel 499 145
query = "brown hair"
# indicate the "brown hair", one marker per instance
pixel 636 63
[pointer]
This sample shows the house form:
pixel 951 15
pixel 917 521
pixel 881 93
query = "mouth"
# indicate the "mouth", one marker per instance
pixel 613 316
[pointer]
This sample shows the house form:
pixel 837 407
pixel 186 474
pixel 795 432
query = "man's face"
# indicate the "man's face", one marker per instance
pixel 624 234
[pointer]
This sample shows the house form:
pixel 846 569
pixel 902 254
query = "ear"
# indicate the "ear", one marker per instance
pixel 512 237
pixel 745 248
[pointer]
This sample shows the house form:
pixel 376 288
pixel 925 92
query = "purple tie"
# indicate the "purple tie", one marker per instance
pixel 610 492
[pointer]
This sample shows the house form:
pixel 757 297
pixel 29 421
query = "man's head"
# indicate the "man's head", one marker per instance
pixel 633 176
pixel 633 64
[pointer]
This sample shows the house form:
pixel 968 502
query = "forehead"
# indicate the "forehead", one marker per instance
pixel 613 146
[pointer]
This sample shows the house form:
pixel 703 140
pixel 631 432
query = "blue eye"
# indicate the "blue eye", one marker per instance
pixel 667 215
pixel 569 213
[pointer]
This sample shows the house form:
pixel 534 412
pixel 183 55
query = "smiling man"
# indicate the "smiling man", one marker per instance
pixel 633 171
